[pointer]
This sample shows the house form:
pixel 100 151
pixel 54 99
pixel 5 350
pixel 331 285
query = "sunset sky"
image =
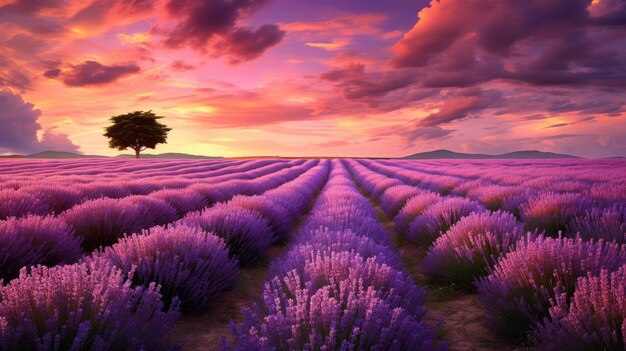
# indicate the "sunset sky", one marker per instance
pixel 317 77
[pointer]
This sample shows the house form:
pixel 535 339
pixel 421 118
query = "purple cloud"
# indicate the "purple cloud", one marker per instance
pixel 246 44
pixel 20 127
pixel 356 84
pixel 465 104
pixel 211 26
pixel 92 73
pixel 541 42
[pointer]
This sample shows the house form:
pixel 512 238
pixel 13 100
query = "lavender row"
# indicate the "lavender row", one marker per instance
pixel 339 287
pixel 464 240
pixel 554 213
pixel 507 185
pixel 54 198
pixel 526 281
pixel 420 215
pixel 128 295
pixel 196 258
pixel 556 175
pixel 92 224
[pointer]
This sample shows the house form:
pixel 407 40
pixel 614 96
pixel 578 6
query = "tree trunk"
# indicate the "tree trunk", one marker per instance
pixel 136 153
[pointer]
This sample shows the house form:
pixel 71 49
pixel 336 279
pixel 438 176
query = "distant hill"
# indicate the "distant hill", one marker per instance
pixel 168 155
pixel 447 154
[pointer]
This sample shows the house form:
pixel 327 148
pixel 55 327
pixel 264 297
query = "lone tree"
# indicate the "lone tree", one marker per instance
pixel 138 130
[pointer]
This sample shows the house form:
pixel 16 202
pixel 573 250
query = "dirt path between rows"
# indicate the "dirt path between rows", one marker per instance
pixel 204 331
pixel 461 313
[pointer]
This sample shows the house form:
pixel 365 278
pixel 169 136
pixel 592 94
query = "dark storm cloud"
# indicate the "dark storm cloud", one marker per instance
pixel 540 42
pixel 91 73
pixel 211 26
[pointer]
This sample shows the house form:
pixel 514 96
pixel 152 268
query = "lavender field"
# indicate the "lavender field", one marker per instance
pixel 312 254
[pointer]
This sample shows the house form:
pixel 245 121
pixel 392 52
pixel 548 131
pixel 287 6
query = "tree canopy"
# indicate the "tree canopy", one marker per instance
pixel 137 130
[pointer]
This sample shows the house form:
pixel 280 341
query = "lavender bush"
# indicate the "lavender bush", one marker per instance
pixel 100 189
pixel 246 233
pixel 35 240
pixel 413 208
pixel 395 197
pixel 81 307
pixel 608 224
pixel 439 217
pixel 517 294
pixel 594 320
pixel 58 198
pixel 276 215
pixel 102 222
pixel 471 248
pixel 14 203
pixel 182 200
pixel 344 316
pixel 497 197
pixel 347 240
pixel 552 212
pixel 313 270
pixel 152 211
pixel 185 262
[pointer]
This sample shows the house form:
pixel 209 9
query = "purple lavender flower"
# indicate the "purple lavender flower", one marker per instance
pixel 472 247
pixel 81 307
pixel 395 197
pixel 343 316
pixel 608 224
pixel 517 294
pixel 211 192
pixel 103 221
pixel 314 269
pixel 58 198
pixel 35 240
pixel 14 203
pixel 276 215
pixel 552 212
pixel 349 240
pixel 183 200
pixel 594 318
pixel 439 217
pixel 496 197
pixel 185 262
pixel 100 189
pixel 413 208
pixel 246 233
pixel 152 211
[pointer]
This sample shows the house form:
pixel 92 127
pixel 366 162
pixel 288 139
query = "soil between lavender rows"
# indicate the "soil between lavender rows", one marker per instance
pixel 461 313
